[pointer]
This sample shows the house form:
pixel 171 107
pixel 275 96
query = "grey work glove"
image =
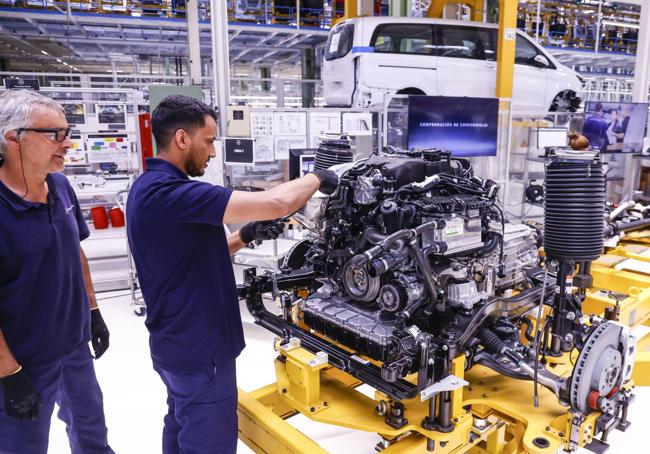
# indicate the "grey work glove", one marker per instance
pixel 261 230
pixel 22 400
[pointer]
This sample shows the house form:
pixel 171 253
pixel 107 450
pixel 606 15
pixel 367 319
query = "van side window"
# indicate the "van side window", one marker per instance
pixel 466 42
pixel 525 52
pixel 339 42
pixel 403 39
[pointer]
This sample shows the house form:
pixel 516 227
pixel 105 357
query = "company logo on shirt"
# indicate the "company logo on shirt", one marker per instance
pixel 68 210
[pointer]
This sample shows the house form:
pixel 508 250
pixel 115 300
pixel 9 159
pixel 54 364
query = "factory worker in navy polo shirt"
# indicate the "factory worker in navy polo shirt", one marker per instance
pixel 48 312
pixel 182 254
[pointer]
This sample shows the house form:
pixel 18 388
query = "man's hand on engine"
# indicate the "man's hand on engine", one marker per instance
pixel 329 181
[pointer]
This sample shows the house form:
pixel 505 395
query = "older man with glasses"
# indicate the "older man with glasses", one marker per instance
pixel 48 311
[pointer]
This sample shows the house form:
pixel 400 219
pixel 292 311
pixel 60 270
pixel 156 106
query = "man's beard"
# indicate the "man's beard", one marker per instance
pixel 193 169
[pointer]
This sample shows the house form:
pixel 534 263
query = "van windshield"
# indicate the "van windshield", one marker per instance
pixel 339 42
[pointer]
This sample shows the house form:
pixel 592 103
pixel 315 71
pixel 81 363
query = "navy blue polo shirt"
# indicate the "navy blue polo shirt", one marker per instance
pixel 178 242
pixel 44 310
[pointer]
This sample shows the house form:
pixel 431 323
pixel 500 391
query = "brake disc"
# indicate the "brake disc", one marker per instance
pixel 602 365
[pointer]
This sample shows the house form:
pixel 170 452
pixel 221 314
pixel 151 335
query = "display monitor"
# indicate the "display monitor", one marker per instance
pixel 464 126
pixel 74 114
pixel 111 113
pixel 551 137
pixel 307 162
pixel 301 161
pixel 615 126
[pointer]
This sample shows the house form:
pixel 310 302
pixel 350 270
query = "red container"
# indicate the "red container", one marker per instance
pixel 117 217
pixel 100 218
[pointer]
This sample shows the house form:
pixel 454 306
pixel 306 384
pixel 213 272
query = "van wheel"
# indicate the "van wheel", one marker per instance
pixel 565 101
pixel 410 91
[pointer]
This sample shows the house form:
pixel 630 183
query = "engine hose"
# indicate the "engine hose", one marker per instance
pixel 425 270
pixel 410 309
pixel 405 234
pixel 620 209
pixel 372 235
pixel 491 341
pixel 388 261
pixel 491 243
pixel 624 227
pixel 514 306
pixel 529 329
pixel 436 248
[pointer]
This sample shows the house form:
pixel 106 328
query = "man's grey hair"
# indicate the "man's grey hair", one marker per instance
pixel 16 108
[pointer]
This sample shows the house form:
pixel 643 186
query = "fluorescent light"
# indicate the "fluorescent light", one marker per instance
pixel 65 64
pixel 44 53
pixel 620 24
pixel 59 60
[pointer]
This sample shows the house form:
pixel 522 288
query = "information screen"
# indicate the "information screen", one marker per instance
pixel 464 126
pixel 615 126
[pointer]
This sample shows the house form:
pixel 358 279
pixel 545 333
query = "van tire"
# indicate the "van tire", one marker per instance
pixel 410 91
pixel 565 101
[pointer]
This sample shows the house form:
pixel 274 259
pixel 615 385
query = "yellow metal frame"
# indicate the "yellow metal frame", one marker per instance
pixel 327 395
pixel 436 8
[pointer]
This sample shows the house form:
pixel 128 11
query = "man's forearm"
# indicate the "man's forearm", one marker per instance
pixel 294 194
pixel 8 364
pixel 234 242
pixel 280 201
pixel 88 282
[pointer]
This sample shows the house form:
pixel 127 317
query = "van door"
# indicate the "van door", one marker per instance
pixel 338 66
pixel 401 57
pixel 530 84
pixel 466 61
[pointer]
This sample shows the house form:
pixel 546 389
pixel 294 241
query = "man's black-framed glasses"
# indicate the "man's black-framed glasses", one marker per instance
pixel 59 134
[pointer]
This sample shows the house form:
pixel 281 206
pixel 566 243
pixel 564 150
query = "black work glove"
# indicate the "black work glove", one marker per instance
pixel 261 230
pixel 22 401
pixel 98 333
pixel 329 181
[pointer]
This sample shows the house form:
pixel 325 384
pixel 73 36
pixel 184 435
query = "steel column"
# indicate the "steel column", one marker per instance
pixel 193 41
pixel 220 60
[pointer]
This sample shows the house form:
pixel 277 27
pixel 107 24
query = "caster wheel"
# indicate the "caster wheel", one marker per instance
pixel 140 311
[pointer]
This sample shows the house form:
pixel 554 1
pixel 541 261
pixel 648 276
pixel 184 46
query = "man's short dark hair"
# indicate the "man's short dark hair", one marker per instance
pixel 598 107
pixel 178 112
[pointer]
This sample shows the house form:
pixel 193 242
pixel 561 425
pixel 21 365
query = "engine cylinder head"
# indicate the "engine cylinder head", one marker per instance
pixel 574 207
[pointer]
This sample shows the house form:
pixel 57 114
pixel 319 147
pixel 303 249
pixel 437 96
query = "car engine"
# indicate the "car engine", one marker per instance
pixel 411 263
pixel 406 238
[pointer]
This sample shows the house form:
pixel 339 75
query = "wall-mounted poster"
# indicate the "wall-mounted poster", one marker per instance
pixel 262 132
pixel 108 148
pixel 357 123
pixel 323 123
pixel 286 143
pixel 110 113
pixel 290 124
pixel 76 154
pixel 264 149
pixel 74 114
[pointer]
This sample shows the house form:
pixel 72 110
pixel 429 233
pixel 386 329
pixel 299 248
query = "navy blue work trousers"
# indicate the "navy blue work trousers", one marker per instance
pixel 72 384
pixel 202 411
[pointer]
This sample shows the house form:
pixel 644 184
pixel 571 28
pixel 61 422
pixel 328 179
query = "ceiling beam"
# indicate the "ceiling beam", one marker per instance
pixel 136 22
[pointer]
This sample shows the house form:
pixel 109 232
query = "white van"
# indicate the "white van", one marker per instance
pixel 369 58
